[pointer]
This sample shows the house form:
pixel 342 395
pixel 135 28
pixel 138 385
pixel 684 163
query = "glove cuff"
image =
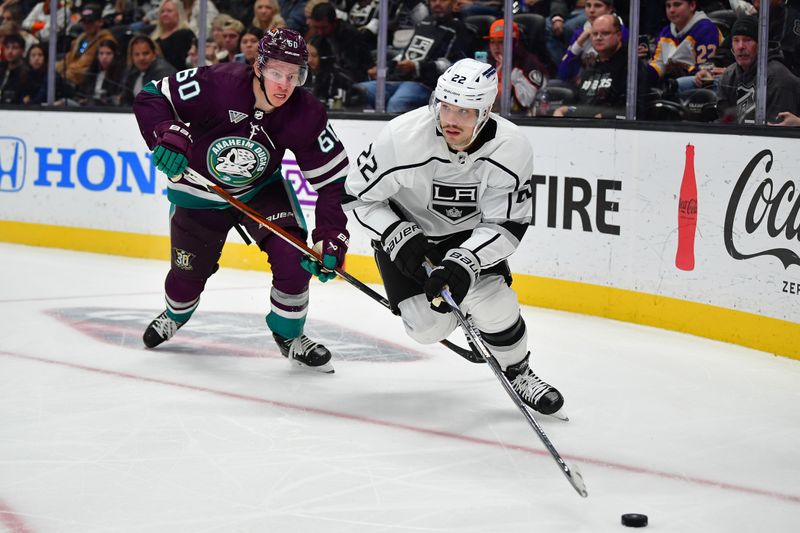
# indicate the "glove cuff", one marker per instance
pixel 174 135
pixel 466 260
pixel 329 232
pixel 397 235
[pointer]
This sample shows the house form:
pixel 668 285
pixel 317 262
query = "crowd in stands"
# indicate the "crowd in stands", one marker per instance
pixel 697 58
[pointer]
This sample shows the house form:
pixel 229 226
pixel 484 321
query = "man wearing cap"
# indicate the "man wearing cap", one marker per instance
pixel 737 88
pixel 528 71
pixel 84 48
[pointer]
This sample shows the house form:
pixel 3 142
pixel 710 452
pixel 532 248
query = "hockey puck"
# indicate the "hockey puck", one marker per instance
pixel 634 520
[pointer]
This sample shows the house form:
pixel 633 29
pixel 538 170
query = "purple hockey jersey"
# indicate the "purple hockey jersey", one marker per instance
pixel 241 147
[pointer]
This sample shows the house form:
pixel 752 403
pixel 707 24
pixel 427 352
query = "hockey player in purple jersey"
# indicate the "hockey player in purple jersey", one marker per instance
pixel 232 123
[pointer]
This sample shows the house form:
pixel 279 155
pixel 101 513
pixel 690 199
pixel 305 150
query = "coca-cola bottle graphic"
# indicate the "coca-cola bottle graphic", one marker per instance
pixel 687 214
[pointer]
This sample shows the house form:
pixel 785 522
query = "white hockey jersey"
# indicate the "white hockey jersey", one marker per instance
pixel 484 193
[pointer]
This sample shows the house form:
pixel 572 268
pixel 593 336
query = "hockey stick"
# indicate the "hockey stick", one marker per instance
pixel 198 179
pixel 476 342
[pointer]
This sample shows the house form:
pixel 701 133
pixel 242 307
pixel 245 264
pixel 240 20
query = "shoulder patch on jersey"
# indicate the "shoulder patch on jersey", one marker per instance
pixel 237 161
pixel 454 202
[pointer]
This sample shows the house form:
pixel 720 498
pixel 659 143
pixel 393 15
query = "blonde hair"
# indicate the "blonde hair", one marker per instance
pixel 183 21
pixel 277 20
pixel 234 25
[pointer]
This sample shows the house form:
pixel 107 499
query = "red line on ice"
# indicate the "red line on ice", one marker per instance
pixel 11 520
pixel 397 425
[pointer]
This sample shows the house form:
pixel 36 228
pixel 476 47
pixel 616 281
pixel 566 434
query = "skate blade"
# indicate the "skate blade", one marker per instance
pixel 327 368
pixel 558 415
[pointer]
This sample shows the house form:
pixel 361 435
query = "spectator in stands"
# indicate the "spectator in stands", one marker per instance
pixel 293 12
pixel 103 83
pixel 217 24
pixel 248 45
pixel 37 22
pixel 36 93
pixel 363 16
pixel 603 86
pixel 785 118
pixel 12 17
pixel 37 72
pixel 737 89
pixel 438 41
pixel 144 64
pixel 192 10
pixel 231 35
pixel 84 48
pixel 327 81
pixel 467 8
pixel 566 16
pixel 267 15
pixel 403 18
pixel 742 7
pixel 344 43
pixel 211 49
pixel 172 33
pixel 690 40
pixel 13 70
pixel 580 51
pixel 528 72
pixel 791 37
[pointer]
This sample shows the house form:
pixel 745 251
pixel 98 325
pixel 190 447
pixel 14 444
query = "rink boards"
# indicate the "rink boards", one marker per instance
pixel 603 240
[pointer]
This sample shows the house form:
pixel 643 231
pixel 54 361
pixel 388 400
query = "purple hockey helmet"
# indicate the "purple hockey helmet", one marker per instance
pixel 285 45
pixel 282 44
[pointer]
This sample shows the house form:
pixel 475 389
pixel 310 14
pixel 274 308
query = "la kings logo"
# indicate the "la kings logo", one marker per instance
pixel 454 203
pixel 419 47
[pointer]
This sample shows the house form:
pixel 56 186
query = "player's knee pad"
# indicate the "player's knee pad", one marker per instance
pixel 422 323
pixel 510 345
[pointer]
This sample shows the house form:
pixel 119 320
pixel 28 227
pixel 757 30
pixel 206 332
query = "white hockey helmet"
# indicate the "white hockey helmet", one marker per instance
pixel 467 83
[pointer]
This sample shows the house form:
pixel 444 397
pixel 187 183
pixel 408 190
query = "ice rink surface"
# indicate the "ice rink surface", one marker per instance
pixel 214 431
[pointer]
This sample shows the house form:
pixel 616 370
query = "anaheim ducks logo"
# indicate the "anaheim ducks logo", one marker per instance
pixel 237 161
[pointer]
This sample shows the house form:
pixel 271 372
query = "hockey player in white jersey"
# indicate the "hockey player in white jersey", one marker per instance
pixel 451 183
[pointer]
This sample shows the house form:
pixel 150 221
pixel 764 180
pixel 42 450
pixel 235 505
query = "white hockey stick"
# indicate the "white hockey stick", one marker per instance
pixel 572 474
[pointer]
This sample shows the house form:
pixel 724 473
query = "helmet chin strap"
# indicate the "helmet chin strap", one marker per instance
pixel 263 85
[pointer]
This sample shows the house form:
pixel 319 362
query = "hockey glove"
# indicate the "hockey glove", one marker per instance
pixel 331 244
pixel 458 273
pixel 408 248
pixel 173 144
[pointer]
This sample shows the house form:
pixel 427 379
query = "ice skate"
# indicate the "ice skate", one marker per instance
pixel 305 352
pixel 537 394
pixel 161 329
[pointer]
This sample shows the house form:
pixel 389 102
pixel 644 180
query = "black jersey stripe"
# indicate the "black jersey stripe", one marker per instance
pixel 365 225
pixel 501 167
pixel 398 168
pixel 517 229
pixel 484 245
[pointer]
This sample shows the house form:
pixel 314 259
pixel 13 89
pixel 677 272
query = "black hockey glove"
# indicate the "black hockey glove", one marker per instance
pixel 458 273
pixel 408 248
